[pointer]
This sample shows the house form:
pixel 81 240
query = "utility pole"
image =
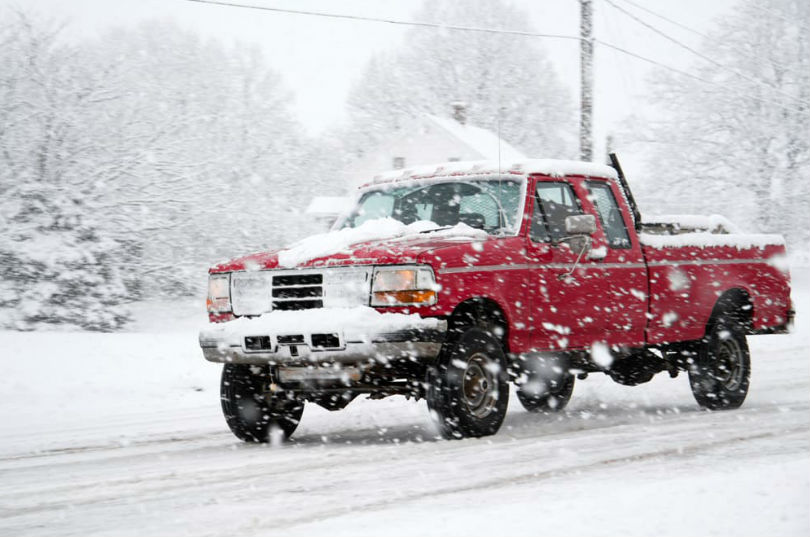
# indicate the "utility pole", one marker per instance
pixel 586 80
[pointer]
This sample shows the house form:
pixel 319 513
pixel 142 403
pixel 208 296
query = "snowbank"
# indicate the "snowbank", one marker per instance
pixel 380 229
pixel 123 434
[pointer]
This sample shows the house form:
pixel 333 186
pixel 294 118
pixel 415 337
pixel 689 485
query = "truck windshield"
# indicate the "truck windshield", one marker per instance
pixel 492 204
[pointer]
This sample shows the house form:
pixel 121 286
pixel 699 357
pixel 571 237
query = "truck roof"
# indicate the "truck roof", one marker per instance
pixel 552 167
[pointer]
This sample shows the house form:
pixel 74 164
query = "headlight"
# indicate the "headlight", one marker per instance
pixel 219 293
pixel 403 286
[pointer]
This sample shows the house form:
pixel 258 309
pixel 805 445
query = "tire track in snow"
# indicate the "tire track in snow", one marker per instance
pixel 514 480
pixel 176 485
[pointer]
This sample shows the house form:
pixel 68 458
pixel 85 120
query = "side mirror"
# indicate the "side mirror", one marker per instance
pixel 579 227
pixel 580 224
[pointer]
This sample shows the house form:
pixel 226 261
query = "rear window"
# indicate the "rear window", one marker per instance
pixel 609 214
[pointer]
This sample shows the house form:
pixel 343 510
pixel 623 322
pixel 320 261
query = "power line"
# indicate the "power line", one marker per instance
pixel 687 74
pixel 662 17
pixel 522 33
pixel 701 55
pixel 422 24
pixel 613 35
pixel 705 36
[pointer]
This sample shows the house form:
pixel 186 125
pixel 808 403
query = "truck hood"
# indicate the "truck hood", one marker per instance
pixel 389 242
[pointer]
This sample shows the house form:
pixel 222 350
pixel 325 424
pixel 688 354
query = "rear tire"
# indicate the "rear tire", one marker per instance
pixel 538 395
pixel 251 410
pixel 468 388
pixel 721 374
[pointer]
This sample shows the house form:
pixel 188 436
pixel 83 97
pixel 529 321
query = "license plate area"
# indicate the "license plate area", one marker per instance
pixel 295 344
pixel 344 374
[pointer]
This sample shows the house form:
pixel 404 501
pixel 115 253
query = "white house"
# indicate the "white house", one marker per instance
pixel 325 209
pixel 428 139
pixel 431 139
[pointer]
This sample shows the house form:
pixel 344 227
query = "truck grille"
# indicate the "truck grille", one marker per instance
pixel 258 292
pixel 297 291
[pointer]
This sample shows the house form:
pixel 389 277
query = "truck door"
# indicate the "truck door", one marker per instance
pixel 622 273
pixel 576 303
pixel 567 310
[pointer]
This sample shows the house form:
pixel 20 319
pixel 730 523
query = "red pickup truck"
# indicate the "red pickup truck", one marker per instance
pixel 450 282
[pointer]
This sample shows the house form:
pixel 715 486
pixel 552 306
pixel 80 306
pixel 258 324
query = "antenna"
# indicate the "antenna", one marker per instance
pixel 500 182
pixel 500 111
pixel 614 162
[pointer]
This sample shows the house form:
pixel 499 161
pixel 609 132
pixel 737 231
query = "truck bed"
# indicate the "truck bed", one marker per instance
pixel 689 270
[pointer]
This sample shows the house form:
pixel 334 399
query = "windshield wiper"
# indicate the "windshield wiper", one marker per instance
pixel 497 232
pixel 440 228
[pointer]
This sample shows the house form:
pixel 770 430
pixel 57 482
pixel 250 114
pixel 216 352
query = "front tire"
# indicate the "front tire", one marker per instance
pixel 468 388
pixel 251 410
pixel 721 374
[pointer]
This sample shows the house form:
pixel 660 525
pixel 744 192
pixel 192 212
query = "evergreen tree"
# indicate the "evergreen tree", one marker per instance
pixel 58 264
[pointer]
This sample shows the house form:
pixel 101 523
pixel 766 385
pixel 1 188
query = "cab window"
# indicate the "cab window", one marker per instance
pixel 553 203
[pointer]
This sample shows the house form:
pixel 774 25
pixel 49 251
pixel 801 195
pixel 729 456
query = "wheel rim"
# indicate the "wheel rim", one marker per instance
pixel 480 387
pixel 730 371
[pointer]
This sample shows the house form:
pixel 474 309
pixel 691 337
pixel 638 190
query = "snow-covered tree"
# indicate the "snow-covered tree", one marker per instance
pixel 130 163
pixel 736 139
pixel 506 81
pixel 218 154
pixel 58 264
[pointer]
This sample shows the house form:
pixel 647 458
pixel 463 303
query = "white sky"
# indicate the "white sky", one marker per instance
pixel 320 58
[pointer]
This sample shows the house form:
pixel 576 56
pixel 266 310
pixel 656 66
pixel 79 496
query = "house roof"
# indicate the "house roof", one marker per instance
pixel 485 143
pixel 329 205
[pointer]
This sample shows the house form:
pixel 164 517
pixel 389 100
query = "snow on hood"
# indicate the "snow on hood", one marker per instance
pixel 381 229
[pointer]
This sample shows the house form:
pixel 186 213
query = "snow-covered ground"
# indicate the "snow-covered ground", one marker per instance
pixel 122 434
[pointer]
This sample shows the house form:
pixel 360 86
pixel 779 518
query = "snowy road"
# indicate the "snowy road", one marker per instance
pixel 122 434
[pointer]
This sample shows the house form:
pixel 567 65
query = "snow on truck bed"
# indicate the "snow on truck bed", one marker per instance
pixel 713 223
pixel 740 241
pixel 677 231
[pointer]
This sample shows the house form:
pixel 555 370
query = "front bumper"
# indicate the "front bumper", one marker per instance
pixel 305 348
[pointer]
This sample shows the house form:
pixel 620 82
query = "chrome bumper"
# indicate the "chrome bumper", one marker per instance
pixel 298 349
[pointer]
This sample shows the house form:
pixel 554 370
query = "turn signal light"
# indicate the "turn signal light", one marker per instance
pixel 413 296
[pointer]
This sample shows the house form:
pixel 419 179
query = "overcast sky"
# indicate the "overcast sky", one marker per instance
pixel 320 58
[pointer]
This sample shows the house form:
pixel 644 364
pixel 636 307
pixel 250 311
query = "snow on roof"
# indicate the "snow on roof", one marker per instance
pixel 329 205
pixel 551 167
pixel 482 141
